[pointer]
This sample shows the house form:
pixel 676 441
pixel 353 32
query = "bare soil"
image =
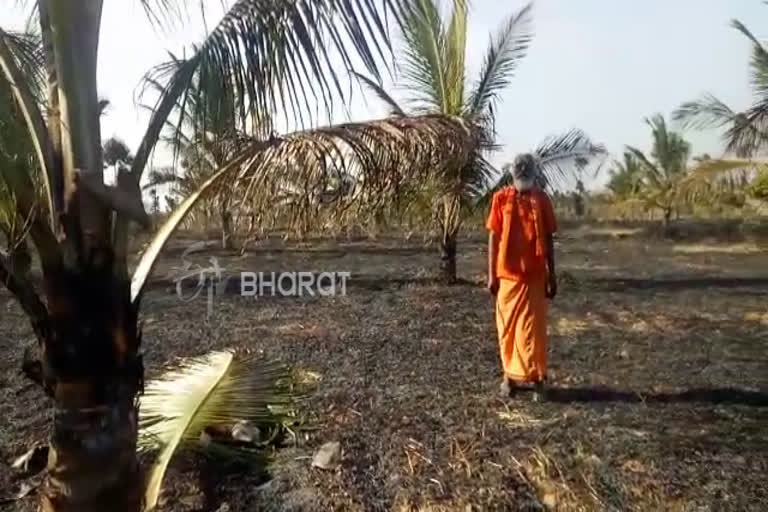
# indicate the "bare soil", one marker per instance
pixel 659 368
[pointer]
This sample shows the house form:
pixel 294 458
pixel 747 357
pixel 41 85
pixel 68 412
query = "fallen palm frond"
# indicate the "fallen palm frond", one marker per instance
pixel 218 389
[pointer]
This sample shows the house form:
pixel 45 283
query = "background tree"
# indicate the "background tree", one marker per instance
pixel 87 320
pixel 434 74
pixel 625 178
pixel 746 133
pixel 662 174
pixel 117 155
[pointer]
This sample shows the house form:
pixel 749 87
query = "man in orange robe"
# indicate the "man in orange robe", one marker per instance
pixel 521 275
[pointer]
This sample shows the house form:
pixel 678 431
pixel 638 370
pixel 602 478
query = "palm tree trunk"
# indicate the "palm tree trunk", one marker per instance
pixel 449 216
pixel 448 258
pixel 92 460
pixel 94 373
pixel 90 367
pixel 226 225
pixel 667 219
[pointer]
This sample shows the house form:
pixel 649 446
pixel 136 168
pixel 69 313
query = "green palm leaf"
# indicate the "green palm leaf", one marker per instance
pixel 274 56
pixel 505 51
pixel 747 132
pixel 704 113
pixel 559 156
pixel 423 65
pixel 378 90
pixel 219 388
pixel 454 57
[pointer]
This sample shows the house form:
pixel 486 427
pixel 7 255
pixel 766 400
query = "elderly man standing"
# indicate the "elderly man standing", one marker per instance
pixel 521 275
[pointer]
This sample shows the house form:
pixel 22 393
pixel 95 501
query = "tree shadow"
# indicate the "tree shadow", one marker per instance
pixel 713 396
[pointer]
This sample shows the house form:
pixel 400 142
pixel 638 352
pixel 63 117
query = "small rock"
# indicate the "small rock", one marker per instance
pixel 246 432
pixel 224 507
pixel 624 354
pixel 328 456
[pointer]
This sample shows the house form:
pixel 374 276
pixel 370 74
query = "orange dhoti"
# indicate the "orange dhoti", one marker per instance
pixel 521 321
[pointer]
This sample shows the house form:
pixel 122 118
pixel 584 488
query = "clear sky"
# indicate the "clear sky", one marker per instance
pixel 599 65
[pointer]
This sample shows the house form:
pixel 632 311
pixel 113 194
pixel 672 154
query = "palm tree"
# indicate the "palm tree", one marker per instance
pixel 746 133
pixel 211 121
pixel 434 74
pixel 662 174
pixel 625 177
pixel 274 56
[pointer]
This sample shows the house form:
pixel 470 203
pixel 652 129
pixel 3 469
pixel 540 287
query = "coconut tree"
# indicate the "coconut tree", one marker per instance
pixel 211 121
pixel 625 177
pixel 746 132
pixel 664 171
pixel 275 56
pixel 434 73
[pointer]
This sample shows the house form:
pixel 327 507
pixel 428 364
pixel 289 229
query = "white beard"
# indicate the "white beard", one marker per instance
pixel 523 185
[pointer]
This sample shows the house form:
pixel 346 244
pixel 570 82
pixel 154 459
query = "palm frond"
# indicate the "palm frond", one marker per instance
pixel 395 109
pixel 454 57
pixel 560 157
pixel 164 13
pixel 706 112
pixel 759 63
pixel 650 170
pixel 158 177
pixel 150 254
pixel 276 55
pixel 219 388
pixel 669 149
pixel 719 168
pixel 383 157
pixel 506 179
pixel 423 67
pixel 747 132
pixel 505 51
pixel 14 58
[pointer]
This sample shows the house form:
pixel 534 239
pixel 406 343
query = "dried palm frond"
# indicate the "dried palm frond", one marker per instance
pixel 376 161
pixel 220 388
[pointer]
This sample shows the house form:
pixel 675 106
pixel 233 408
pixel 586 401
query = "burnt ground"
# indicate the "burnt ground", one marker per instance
pixel 659 368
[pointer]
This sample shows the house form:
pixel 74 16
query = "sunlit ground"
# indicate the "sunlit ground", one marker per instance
pixel 658 365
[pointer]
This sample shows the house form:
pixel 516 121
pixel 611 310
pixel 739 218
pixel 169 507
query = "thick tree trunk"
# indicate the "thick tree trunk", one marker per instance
pixel 92 463
pixel 448 258
pixel 93 371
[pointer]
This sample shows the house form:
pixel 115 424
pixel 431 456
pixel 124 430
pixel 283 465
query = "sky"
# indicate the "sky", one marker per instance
pixel 599 65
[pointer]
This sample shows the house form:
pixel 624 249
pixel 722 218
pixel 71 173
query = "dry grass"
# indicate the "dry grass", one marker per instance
pixel 702 248
pixel 658 362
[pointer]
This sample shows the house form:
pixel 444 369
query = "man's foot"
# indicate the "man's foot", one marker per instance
pixel 539 392
pixel 506 388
